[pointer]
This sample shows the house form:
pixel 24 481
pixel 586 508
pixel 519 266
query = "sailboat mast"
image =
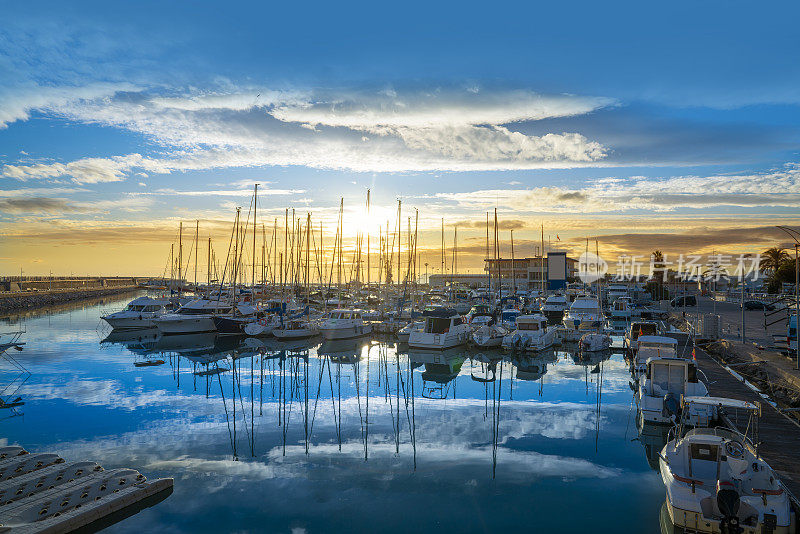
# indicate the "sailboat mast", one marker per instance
pixel 544 286
pixel 180 257
pixel 196 249
pixel 513 274
pixel 255 230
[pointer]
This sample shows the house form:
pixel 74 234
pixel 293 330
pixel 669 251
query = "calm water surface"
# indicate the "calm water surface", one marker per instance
pixel 345 437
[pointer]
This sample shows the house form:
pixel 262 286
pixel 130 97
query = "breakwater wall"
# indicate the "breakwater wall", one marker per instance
pixel 17 301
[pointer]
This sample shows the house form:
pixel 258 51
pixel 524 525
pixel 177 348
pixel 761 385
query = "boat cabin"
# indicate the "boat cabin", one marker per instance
pixel 531 323
pixel 441 325
pixel 669 375
pixel 345 314
pixel 642 328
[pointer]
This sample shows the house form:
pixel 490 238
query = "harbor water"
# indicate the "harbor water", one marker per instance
pixel 351 436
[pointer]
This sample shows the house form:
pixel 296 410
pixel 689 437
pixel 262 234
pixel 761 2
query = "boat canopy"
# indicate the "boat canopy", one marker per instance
pixel 723 402
pixel 657 340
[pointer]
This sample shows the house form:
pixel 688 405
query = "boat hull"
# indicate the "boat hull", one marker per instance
pixel 190 324
pixel 346 333
pixel 129 323
pixel 421 340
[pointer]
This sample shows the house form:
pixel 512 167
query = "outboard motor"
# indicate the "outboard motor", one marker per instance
pixel 728 503
pixel 671 407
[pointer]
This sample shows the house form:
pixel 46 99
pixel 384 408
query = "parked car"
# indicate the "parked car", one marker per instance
pixel 757 305
pixel 687 300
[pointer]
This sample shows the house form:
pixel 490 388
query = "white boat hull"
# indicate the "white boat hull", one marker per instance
pixel 422 340
pixel 120 322
pixel 188 324
pixel 346 333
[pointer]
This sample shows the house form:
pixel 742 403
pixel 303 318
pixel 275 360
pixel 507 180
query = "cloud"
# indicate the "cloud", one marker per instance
pixel 38 205
pixel 17 102
pixel 375 111
pixel 779 188
pixel 415 131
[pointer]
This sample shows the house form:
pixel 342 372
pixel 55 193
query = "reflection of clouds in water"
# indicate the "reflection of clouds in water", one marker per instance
pixel 446 446
pixel 107 393
pixel 328 462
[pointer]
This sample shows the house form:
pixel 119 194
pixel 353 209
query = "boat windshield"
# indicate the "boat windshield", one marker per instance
pixel 437 325
pixel 643 329
pixel 528 326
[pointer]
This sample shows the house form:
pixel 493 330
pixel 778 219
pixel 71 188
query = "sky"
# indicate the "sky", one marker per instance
pixel 671 126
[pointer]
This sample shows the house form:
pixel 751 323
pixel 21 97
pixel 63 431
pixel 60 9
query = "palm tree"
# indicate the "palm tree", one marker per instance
pixel 658 273
pixel 772 258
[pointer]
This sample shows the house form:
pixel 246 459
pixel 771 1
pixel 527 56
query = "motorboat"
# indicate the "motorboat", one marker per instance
pixel 480 315
pixel 531 334
pixel 298 328
pixel 198 316
pixel 660 389
pixel 615 292
pixel 595 342
pixel 715 479
pixel 508 318
pixel 652 347
pixel 404 333
pixel 554 308
pixel 139 313
pixel 636 329
pixel 621 309
pixel 344 323
pixel 441 332
pixel 583 316
pixel 489 336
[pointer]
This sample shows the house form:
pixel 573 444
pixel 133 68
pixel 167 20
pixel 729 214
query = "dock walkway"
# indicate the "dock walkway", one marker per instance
pixel 779 435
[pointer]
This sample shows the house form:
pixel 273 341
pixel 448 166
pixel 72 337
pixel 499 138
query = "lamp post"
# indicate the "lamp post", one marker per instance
pixel 794 234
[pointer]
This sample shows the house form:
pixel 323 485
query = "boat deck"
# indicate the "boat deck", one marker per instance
pixel 779 435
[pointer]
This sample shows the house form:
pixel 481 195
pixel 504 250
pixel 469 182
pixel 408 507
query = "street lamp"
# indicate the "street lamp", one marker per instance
pixel 794 234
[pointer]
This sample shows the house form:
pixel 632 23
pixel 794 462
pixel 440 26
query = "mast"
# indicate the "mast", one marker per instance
pixel 443 264
pixel 208 265
pixel 255 230
pixel 368 279
pixel 513 274
pixel 196 249
pixel 487 252
pixel 180 257
pixel 544 286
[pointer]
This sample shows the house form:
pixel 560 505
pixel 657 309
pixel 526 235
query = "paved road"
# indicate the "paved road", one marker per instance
pixel 731 315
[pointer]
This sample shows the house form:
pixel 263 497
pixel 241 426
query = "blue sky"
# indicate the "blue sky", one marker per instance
pixel 119 120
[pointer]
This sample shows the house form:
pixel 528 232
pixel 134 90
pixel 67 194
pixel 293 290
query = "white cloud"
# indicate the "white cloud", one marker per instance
pixel 17 102
pixel 433 109
pixel 776 188
pixel 413 131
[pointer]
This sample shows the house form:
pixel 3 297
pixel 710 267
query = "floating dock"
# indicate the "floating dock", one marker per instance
pixel 43 493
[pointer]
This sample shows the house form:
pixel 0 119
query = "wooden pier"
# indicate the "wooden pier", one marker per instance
pixel 779 434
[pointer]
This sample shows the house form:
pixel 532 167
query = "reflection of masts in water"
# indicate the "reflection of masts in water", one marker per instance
pixel 498 388
pixel 598 405
pixel 231 435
